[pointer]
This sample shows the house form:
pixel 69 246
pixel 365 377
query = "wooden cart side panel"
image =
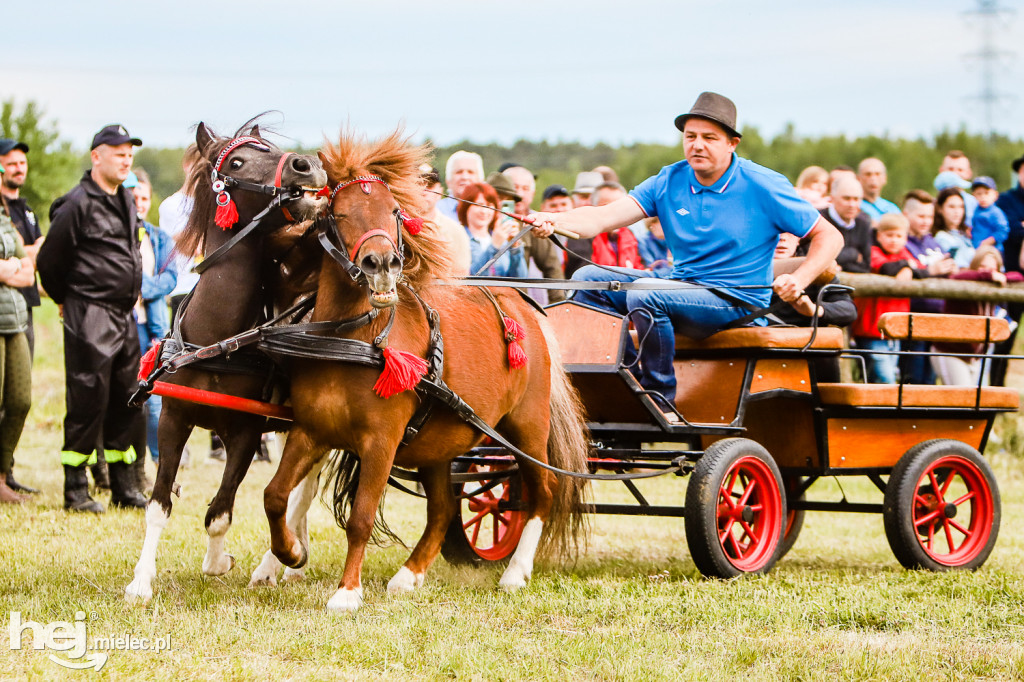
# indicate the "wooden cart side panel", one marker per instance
pixel 586 336
pixel 708 391
pixel 861 443
pixel 791 373
pixel 785 427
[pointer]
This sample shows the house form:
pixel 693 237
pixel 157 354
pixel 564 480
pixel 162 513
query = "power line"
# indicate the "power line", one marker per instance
pixel 989 58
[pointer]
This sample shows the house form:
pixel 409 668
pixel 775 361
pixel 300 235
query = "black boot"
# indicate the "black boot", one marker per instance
pixel 123 488
pixel 20 487
pixel 76 491
pixel 142 482
pixel 99 476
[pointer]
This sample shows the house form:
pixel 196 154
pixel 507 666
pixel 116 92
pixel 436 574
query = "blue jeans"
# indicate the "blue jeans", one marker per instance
pixel 881 369
pixel 696 312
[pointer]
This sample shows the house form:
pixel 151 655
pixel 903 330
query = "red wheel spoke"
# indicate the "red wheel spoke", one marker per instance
pixel 731 483
pixel 949 534
pixel 476 533
pixel 935 485
pixel 926 518
pixel 960 528
pixel 949 482
pixel 747 493
pixel 500 518
pixel 735 546
pixel 931 536
pixel 727 500
pixel 964 498
pixel 476 519
pixel 749 533
pixel 495 527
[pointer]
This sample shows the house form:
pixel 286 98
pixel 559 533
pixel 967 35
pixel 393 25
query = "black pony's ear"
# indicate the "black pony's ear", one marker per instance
pixel 204 138
pixel 255 132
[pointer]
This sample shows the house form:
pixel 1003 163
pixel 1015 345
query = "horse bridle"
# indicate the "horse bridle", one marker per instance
pixel 220 183
pixel 340 253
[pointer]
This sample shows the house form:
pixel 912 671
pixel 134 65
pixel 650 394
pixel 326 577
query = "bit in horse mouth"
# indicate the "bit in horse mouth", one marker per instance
pixel 384 299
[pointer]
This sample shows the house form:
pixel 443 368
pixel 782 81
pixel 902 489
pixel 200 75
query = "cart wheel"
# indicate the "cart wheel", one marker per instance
pixel 942 507
pixel 794 517
pixel 484 530
pixel 735 510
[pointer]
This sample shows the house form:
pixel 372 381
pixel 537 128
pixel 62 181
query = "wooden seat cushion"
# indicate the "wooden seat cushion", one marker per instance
pixel 943 328
pixel 828 338
pixel 914 395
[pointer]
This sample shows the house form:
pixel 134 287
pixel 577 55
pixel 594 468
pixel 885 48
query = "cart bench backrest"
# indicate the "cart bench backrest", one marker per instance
pixel 942 328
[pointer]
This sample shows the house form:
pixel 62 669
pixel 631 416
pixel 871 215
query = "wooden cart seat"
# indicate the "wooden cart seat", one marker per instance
pixel 828 338
pixel 914 395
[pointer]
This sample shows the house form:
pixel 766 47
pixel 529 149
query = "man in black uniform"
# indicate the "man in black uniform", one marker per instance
pixel 14 162
pixel 91 265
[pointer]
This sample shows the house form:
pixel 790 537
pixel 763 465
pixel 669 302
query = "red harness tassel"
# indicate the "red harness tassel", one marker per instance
pixel 402 371
pixel 227 215
pixel 413 225
pixel 513 335
pixel 148 362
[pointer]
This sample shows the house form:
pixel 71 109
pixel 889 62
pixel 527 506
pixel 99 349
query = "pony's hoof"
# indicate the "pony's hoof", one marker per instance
pixel 138 592
pixel 513 579
pixel 218 566
pixel 404 581
pixel 346 601
pixel 293 575
pixel 265 574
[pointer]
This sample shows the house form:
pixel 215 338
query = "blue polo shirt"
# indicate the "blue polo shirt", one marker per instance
pixel 878 208
pixel 725 234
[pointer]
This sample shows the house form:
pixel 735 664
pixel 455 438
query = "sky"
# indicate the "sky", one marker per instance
pixel 617 72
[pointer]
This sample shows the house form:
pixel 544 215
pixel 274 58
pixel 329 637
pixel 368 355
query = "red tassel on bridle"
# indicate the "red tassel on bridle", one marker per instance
pixel 227 212
pixel 413 225
pixel 513 335
pixel 402 371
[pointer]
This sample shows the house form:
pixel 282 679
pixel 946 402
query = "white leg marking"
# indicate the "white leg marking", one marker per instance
pixel 346 601
pixel 520 567
pixel 216 562
pixel 405 581
pixel 265 574
pixel 141 588
pixel 298 506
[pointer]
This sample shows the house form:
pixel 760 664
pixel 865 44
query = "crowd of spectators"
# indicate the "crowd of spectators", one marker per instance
pixel 966 230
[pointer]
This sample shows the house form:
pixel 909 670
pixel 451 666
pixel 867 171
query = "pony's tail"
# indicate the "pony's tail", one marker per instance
pixel 340 483
pixel 568 448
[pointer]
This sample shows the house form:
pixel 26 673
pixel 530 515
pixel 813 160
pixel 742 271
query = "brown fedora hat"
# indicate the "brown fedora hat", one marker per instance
pixel 713 107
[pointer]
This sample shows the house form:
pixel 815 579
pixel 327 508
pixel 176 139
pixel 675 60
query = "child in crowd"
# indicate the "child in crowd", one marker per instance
pixel 989 224
pixel 889 257
pixel 987 266
pixel 654 249
pixel 811 185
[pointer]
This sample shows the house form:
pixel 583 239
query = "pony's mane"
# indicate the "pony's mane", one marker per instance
pixel 397 161
pixel 204 202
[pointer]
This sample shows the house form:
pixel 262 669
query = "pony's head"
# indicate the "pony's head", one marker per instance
pixel 239 176
pixel 376 202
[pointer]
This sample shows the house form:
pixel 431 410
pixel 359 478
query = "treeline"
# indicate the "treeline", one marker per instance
pixel 55 167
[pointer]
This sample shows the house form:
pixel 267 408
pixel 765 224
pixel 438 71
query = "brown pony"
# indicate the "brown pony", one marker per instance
pixel 229 299
pixel 336 407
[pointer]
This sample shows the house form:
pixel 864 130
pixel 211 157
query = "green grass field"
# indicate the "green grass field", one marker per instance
pixel 633 606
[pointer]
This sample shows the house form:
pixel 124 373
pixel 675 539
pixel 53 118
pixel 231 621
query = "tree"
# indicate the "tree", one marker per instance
pixel 53 168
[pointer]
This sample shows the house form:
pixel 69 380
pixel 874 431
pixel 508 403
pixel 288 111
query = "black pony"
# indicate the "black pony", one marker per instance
pixel 238 179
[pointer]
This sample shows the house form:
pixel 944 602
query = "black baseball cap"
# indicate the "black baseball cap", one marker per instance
pixel 554 191
pixel 114 134
pixel 7 145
